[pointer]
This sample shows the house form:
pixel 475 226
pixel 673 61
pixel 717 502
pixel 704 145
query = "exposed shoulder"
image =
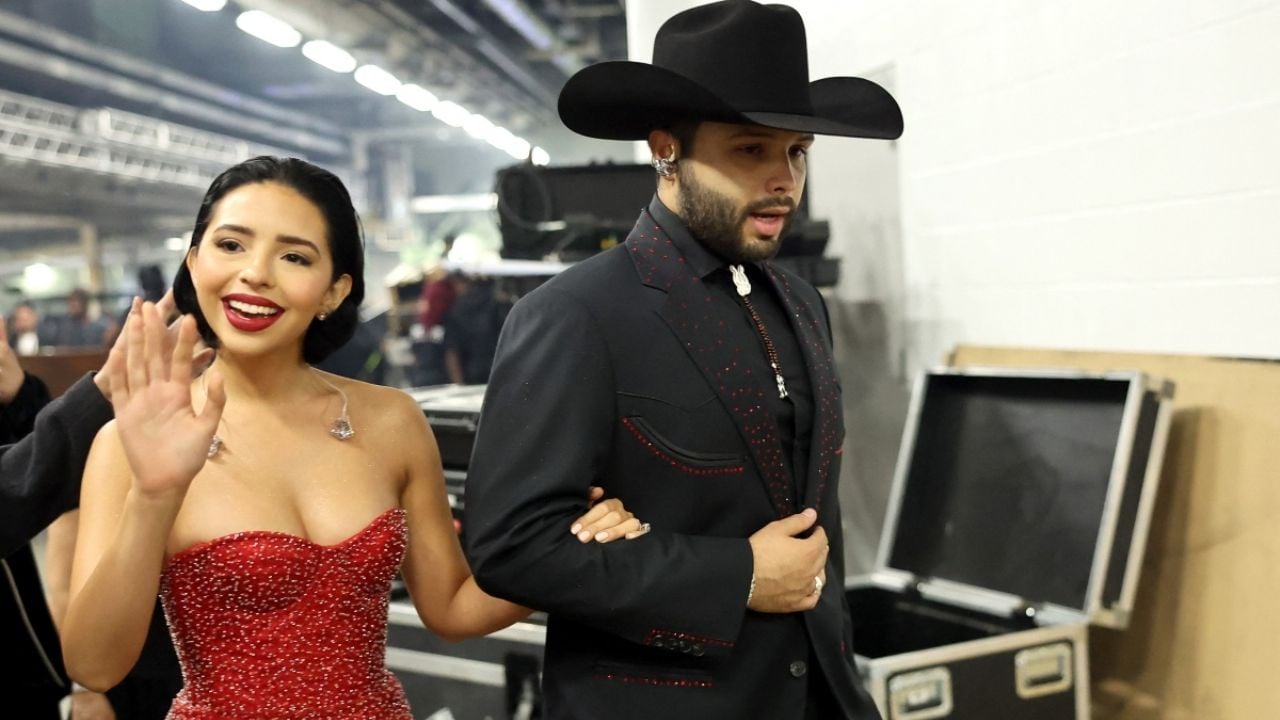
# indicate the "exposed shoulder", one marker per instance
pixel 379 407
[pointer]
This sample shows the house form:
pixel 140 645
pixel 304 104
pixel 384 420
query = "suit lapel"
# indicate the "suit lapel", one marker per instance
pixel 687 312
pixel 827 434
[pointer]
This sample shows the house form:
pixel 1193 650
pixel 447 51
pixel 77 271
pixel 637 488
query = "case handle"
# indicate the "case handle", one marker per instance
pixel 920 695
pixel 1043 670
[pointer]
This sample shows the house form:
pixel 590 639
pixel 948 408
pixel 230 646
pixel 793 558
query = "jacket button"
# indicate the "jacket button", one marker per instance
pixel 799 668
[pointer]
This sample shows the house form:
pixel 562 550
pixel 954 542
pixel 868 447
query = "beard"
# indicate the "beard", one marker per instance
pixel 720 224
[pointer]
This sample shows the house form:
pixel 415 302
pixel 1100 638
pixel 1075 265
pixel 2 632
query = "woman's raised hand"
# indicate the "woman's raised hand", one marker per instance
pixel 164 439
pixel 607 521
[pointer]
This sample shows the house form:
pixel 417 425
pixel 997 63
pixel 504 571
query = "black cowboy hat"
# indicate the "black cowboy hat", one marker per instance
pixel 734 61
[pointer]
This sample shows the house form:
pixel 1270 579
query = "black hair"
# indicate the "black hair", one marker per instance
pixel 346 244
pixel 684 131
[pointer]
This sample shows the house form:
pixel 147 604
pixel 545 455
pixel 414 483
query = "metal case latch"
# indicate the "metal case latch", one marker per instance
pixel 1043 670
pixel 920 695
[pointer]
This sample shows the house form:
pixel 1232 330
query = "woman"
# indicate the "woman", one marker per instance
pixel 274 556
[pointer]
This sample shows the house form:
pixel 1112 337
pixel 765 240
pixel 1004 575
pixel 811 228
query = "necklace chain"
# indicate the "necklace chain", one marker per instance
pixel 743 285
pixel 340 428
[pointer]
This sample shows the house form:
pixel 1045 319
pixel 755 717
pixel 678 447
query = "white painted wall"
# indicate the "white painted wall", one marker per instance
pixel 1090 174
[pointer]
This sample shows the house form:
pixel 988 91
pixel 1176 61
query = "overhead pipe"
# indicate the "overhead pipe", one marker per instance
pixel 72 46
pixel 81 74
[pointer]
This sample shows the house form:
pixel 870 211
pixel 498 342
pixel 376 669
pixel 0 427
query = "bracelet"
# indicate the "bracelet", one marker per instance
pixel 752 590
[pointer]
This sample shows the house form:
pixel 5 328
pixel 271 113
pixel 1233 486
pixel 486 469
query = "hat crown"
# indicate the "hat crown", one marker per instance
pixel 753 56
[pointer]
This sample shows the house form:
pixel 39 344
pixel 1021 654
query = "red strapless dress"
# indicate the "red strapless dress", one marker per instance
pixel 271 625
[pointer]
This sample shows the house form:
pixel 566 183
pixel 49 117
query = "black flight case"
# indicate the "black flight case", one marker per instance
pixel 1018 517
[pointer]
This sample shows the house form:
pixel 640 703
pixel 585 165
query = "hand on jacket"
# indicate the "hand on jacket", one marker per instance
pixel 165 440
pixel 786 566
pixel 607 521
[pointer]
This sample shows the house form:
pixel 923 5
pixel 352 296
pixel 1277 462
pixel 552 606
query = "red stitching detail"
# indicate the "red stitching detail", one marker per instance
pixel 685 636
pixel 667 682
pixel 681 466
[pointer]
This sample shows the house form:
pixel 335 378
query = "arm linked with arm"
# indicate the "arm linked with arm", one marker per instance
pixel 545 432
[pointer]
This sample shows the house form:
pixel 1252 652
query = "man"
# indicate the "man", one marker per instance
pixel 75 329
pixel 694 380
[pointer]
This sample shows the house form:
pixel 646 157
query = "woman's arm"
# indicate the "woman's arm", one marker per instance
pixel 435 570
pixel 115 573
pixel 137 475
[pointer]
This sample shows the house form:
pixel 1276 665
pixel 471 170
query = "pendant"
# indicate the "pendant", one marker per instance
pixel 341 429
pixel 740 280
pixel 215 444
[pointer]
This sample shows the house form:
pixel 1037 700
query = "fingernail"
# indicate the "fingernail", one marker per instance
pixel 584 536
pixel 576 527
pixel 602 536
pixel 810 513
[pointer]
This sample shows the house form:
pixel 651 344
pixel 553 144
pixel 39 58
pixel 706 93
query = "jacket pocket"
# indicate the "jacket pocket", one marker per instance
pixel 665 448
pixel 631 674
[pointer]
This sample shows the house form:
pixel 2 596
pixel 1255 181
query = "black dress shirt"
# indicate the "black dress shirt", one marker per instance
pixel 793 414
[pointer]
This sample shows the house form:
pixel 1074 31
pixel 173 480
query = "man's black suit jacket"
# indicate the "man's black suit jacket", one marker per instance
pixel 40 475
pixel 611 374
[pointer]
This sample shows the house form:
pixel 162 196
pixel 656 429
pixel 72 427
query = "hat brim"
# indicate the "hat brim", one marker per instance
pixel 623 100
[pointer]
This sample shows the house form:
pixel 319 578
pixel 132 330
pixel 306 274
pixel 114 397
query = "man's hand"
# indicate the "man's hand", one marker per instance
pixel 786 566
pixel 11 375
pixel 167 309
pixel 165 441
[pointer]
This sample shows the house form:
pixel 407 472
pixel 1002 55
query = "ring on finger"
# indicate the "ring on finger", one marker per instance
pixel 817 585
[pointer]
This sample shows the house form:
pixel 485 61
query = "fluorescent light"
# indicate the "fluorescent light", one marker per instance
pixel 435 204
pixel 39 278
pixel 328 55
pixel 377 80
pixel 540 156
pixel 518 148
pixel 508 143
pixel 499 137
pixel 451 113
pixel 417 97
pixel 207 5
pixel 478 126
pixel 268 28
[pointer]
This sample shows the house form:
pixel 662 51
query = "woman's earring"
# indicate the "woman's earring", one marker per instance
pixel 665 166
pixel 322 316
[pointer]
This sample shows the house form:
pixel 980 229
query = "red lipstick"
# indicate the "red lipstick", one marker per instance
pixel 246 321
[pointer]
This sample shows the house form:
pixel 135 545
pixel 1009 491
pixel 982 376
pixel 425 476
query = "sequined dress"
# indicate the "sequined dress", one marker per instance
pixel 271 625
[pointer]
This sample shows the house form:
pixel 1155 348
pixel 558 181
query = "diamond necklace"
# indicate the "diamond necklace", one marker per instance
pixel 340 428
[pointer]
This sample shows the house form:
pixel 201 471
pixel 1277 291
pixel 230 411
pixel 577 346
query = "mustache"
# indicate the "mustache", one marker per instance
pixel 769 204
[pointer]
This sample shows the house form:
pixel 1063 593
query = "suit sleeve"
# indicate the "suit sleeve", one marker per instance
pixel 545 434
pixel 40 475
